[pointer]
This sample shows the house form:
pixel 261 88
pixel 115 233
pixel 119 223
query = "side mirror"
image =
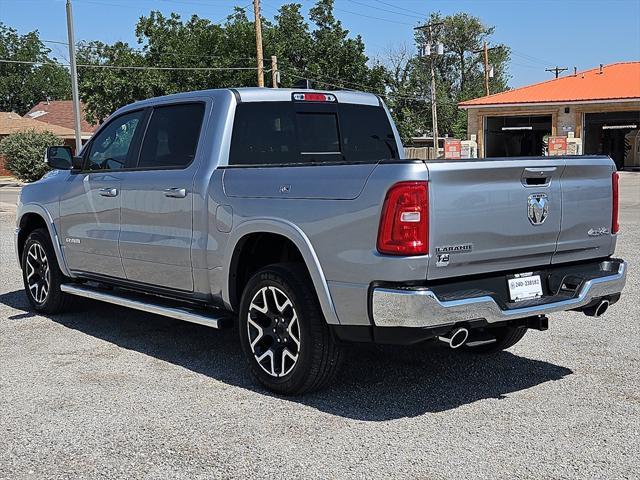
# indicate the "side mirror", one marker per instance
pixel 76 163
pixel 59 158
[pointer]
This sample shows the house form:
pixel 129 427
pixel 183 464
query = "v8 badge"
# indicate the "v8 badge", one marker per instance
pixel 442 260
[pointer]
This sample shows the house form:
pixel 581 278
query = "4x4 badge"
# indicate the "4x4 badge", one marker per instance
pixel 537 208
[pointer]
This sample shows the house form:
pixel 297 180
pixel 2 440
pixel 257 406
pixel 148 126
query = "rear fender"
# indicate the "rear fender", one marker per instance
pixel 301 241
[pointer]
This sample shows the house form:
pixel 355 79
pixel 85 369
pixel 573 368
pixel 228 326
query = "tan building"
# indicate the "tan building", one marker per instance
pixel 598 107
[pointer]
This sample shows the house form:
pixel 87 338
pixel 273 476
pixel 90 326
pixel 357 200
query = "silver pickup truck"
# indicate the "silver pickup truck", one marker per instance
pixel 293 215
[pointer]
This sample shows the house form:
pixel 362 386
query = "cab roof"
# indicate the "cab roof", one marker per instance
pixel 256 94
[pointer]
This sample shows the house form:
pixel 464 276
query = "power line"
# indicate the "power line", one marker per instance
pixel 244 9
pixel 181 6
pixel 359 14
pixel 400 8
pixel 532 67
pixel 146 51
pixel 381 9
pixel 359 85
pixel 129 67
pixel 137 67
pixel 530 58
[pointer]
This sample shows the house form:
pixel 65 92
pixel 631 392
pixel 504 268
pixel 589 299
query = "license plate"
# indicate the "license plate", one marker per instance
pixel 525 287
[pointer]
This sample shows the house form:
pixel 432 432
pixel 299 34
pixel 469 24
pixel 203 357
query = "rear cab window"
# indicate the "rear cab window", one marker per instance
pixel 308 133
pixel 171 137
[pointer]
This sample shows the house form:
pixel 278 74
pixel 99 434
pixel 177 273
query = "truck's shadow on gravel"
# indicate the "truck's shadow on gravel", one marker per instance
pixel 375 383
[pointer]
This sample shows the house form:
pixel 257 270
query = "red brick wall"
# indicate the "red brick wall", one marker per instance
pixel 3 171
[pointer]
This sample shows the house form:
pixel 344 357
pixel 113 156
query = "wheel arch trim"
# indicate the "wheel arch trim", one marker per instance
pixel 34 208
pixel 293 233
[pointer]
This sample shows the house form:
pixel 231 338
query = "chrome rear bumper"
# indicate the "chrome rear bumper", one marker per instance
pixel 421 308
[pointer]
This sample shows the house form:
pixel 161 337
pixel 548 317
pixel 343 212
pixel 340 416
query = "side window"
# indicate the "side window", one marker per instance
pixel 366 133
pixel 111 147
pixel 172 136
pixel 263 134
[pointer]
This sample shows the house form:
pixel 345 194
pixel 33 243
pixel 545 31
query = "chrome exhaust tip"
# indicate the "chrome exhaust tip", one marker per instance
pixel 598 309
pixel 456 338
pixel 602 307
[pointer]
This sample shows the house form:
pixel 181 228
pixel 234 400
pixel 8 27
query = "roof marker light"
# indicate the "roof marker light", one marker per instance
pixel 314 97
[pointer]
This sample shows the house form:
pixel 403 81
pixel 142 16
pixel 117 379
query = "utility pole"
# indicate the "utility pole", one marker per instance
pixel 74 77
pixel 275 74
pixel 258 24
pixel 439 50
pixel 557 70
pixel 434 107
pixel 488 70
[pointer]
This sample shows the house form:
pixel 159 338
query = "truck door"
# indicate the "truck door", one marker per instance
pixel 157 199
pixel 90 205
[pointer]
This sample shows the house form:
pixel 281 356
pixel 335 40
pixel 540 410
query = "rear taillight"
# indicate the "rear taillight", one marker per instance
pixel 404 224
pixel 615 225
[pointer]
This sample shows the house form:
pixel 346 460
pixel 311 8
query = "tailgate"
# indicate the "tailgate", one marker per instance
pixel 587 210
pixel 491 215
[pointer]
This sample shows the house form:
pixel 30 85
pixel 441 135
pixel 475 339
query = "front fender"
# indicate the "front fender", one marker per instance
pixel 39 210
pixel 300 239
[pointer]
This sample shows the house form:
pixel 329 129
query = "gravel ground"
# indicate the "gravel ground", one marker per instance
pixel 103 392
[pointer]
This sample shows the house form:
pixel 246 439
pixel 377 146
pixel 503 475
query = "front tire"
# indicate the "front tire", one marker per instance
pixel 41 274
pixel 283 332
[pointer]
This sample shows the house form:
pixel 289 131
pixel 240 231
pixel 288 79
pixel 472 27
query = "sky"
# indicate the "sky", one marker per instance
pixel 542 33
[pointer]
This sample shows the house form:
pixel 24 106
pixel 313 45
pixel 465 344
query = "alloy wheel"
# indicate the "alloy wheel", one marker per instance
pixel 274 331
pixel 38 273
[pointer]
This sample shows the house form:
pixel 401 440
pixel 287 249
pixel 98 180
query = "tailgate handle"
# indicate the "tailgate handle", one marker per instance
pixel 537 177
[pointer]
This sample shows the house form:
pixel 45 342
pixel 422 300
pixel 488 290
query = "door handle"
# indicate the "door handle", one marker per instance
pixel 175 192
pixel 533 177
pixel 109 192
pixel 533 172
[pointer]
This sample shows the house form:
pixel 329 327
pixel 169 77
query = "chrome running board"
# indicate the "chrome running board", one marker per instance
pixel 145 304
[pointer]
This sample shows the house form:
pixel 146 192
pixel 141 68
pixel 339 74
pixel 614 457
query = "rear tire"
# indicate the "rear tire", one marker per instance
pixel 506 337
pixel 41 274
pixel 283 333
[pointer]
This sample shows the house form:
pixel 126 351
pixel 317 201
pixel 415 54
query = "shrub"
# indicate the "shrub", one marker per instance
pixel 24 153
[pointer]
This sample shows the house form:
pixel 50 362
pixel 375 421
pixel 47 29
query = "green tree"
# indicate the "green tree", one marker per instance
pixel 225 54
pixel 23 85
pixel 459 73
pixel 104 90
pixel 290 40
pixel 337 58
pixel 408 97
pixel 24 153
